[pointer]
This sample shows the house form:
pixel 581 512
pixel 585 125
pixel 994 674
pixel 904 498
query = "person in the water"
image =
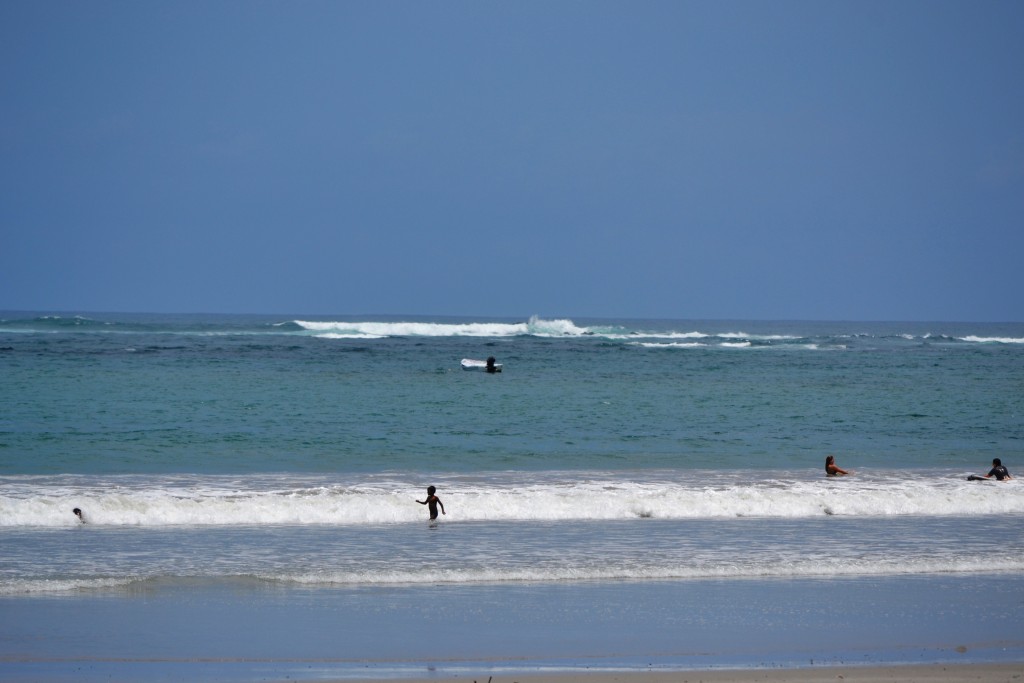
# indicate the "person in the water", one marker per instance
pixel 831 468
pixel 432 502
pixel 998 471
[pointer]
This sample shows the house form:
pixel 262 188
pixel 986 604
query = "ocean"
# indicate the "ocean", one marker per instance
pixel 625 494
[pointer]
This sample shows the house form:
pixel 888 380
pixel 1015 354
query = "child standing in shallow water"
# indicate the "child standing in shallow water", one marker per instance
pixel 432 502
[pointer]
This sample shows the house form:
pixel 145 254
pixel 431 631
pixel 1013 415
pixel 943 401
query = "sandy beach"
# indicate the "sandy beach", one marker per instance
pixel 987 673
pixel 878 629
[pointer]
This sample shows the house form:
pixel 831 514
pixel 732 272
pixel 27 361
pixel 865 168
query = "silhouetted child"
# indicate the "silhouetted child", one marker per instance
pixel 432 502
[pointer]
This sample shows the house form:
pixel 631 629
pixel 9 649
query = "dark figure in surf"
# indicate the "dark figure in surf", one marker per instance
pixel 78 513
pixel 432 502
pixel 490 364
pixel 831 469
pixel 998 471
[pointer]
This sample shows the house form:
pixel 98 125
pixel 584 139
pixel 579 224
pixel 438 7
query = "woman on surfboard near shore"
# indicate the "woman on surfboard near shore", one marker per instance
pixel 831 469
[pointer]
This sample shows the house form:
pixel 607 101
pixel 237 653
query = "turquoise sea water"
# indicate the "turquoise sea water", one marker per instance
pixel 279 458
pixel 149 394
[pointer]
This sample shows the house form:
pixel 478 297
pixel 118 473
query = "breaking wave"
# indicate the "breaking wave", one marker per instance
pixel 213 501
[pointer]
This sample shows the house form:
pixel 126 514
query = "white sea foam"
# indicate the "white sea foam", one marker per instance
pixel 19 586
pixel 753 567
pixel 669 335
pixel 353 335
pixel 208 501
pixel 609 571
pixel 758 337
pixel 992 340
pixel 538 327
pixel 783 335
pixel 535 326
pixel 566 328
pixel 380 330
pixel 672 345
pixel 376 330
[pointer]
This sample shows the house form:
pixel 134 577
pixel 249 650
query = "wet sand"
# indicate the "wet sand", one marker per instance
pixel 870 629
pixel 917 673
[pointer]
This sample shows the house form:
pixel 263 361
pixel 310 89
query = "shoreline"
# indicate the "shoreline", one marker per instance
pixel 910 673
pixel 869 673
pixel 52 671
pixel 869 629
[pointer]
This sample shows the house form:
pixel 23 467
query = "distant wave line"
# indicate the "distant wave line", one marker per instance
pixel 535 326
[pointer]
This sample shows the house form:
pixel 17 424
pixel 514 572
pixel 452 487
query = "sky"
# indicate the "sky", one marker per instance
pixel 726 159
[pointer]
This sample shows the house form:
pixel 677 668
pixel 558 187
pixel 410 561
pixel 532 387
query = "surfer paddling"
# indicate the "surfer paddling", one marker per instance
pixel 998 471
pixel 832 469
pixel 432 502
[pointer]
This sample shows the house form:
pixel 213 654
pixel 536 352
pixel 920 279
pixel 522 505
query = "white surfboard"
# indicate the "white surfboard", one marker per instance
pixel 472 364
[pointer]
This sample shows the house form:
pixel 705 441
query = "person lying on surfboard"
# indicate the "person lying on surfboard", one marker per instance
pixel 432 502
pixel 998 471
pixel 831 469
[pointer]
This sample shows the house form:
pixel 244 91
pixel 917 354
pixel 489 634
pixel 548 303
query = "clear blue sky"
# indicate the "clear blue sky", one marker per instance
pixel 720 159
